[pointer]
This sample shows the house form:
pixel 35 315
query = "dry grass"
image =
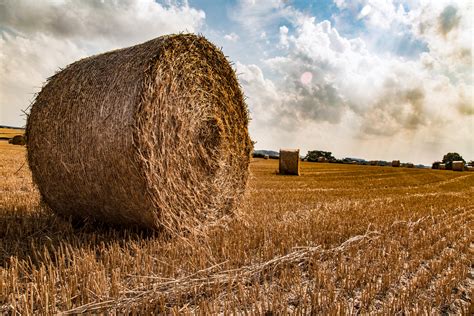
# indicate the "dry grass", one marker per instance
pixel 153 135
pixel 10 132
pixel 338 239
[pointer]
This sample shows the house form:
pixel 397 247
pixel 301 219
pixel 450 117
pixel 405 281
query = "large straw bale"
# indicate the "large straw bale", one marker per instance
pixel 442 166
pixel 458 165
pixel 154 135
pixel 290 161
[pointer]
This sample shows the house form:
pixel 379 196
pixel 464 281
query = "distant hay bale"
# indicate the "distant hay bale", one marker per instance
pixel 18 140
pixel 290 161
pixel 458 165
pixel 266 157
pixel 396 163
pixel 410 165
pixel 154 135
pixel 442 166
pixel 322 159
pixel 470 168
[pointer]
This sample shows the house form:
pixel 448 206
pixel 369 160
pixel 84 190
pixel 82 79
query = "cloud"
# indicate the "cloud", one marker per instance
pixel 232 37
pixel 448 19
pixel 39 38
pixel 258 16
pixel 387 94
pixel 447 30
pixel 121 22
pixel 375 13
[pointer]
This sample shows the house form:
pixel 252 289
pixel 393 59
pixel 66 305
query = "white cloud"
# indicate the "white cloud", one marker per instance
pixel 232 37
pixel 376 13
pixel 284 36
pixel 38 38
pixel 447 28
pixel 257 16
pixel 404 102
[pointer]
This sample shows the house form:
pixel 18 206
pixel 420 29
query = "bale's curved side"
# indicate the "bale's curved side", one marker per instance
pixel 153 135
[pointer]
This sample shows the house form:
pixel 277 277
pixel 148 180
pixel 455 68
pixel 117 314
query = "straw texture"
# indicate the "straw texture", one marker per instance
pixel 289 162
pixel 458 165
pixel 153 135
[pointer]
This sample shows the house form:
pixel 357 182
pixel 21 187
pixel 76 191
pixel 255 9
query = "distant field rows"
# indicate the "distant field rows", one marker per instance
pixel 7 133
pixel 340 239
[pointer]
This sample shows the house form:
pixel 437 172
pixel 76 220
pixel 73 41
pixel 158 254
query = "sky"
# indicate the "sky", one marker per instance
pixel 374 79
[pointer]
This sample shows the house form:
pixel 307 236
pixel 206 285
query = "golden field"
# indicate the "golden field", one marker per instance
pixel 10 132
pixel 340 239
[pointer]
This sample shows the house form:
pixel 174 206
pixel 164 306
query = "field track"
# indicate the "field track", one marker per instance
pixel 338 239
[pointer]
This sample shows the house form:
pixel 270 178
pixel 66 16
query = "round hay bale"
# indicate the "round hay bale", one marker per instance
pixel 289 162
pixel 154 135
pixel 18 140
pixel 458 165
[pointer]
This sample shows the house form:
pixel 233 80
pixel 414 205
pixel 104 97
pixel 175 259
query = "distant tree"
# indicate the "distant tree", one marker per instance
pixel 450 157
pixel 471 163
pixel 313 155
pixel 435 165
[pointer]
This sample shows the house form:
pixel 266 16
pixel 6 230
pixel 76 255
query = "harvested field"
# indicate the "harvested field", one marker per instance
pixel 8 133
pixel 338 239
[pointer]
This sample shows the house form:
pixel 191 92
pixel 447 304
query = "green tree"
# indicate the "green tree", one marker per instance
pixel 313 155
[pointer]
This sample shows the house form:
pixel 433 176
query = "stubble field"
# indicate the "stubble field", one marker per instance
pixel 338 239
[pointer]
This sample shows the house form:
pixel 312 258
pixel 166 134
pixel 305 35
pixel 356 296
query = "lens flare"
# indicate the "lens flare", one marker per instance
pixel 306 78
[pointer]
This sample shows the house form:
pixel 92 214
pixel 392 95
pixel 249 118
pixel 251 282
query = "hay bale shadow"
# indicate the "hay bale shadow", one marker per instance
pixel 26 233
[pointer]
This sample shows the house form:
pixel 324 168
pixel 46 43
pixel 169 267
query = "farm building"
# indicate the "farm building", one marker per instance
pixel 290 162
